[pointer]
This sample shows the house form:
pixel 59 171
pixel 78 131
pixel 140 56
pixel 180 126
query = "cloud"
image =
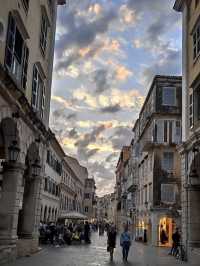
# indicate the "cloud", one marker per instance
pixel 111 109
pixel 121 137
pixel 83 34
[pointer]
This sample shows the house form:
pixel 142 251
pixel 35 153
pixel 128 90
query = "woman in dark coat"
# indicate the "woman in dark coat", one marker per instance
pixel 112 234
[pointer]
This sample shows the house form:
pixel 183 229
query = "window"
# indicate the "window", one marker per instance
pixel 44 31
pixel 45 184
pixel 169 96
pixel 17 53
pixel 196 41
pixel 87 195
pixel 25 4
pixel 36 88
pixel 191 111
pixel 197 96
pixel 168 161
pixel 168 193
pixel 178 128
pixel 165 131
pixel 43 102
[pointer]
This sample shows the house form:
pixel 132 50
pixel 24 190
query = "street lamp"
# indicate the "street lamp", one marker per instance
pixel 13 152
pixel 35 168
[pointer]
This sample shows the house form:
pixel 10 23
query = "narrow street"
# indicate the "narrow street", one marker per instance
pixel 96 255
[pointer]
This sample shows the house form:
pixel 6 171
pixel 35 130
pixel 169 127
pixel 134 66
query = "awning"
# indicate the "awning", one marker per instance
pixel 73 215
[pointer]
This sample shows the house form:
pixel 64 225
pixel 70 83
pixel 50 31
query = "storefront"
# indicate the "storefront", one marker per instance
pixel 166 228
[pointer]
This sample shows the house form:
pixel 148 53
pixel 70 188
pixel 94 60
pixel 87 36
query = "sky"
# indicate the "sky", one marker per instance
pixel 106 54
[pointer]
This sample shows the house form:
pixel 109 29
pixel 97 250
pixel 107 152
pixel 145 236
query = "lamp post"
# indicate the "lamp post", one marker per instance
pixel 13 152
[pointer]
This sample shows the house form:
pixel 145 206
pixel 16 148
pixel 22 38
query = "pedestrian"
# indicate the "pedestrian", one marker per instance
pixel 111 243
pixel 125 243
pixel 87 233
pixel 176 242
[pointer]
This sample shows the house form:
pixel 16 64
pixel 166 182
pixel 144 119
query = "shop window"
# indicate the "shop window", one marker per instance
pixel 17 54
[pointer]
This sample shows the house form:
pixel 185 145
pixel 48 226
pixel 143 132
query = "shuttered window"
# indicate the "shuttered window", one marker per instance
pixel 168 161
pixel 168 193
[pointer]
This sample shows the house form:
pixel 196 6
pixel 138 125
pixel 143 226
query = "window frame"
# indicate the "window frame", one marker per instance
pixel 196 41
pixel 25 5
pixel 191 110
pixel 164 98
pixel 171 169
pixel 44 25
pixel 17 67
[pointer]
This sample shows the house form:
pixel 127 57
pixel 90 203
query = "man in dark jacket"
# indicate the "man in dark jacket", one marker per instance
pixel 112 234
pixel 87 233
pixel 176 242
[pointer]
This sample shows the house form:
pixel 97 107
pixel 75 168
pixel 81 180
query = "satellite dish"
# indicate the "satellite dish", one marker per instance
pixel 1 31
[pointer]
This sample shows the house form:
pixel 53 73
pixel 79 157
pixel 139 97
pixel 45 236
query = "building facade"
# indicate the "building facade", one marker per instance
pixel 190 149
pixel 50 205
pixel 71 190
pixel 26 62
pixel 121 187
pixel 89 198
pixel 157 135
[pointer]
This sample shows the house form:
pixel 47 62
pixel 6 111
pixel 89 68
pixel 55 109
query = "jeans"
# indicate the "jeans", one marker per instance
pixel 125 250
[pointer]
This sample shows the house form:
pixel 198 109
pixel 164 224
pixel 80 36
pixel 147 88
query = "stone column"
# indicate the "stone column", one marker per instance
pixel 31 209
pixel 10 202
pixel 194 216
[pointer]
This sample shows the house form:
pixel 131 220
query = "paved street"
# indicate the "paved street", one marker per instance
pixel 96 255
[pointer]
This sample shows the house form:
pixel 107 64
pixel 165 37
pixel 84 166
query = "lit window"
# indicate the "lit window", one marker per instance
pixel 17 54
pixel 196 42
pixel 43 33
pixel 169 96
pixel 168 161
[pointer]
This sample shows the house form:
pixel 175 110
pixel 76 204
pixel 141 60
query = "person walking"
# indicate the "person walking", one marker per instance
pixel 125 243
pixel 111 243
pixel 176 237
pixel 87 233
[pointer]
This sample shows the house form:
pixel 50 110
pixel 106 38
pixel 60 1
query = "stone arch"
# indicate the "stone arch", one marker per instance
pixel 56 214
pixel 49 214
pixel 45 214
pixel 52 215
pixel 29 214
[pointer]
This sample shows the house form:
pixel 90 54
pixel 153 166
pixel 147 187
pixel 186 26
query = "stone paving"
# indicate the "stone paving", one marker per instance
pixel 95 254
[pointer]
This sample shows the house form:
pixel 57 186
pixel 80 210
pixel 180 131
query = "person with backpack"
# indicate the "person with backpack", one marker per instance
pixel 125 243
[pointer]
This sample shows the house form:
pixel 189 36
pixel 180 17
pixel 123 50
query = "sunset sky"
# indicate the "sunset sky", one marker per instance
pixel 106 54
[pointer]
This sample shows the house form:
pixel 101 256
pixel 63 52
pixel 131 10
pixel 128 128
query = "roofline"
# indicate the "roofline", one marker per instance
pixel 155 79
